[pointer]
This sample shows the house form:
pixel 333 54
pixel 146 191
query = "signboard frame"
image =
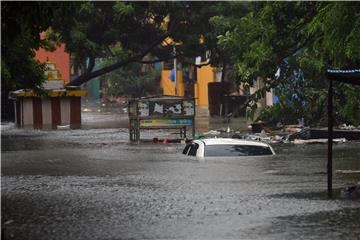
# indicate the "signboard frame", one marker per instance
pixel 163 112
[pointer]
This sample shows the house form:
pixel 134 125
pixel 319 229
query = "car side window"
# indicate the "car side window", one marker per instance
pixel 186 149
pixel 193 149
pixel 236 150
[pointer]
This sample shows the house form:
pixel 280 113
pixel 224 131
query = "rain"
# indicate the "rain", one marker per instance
pixel 109 110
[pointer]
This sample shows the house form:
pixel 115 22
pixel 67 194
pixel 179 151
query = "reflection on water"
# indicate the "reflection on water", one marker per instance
pixel 94 184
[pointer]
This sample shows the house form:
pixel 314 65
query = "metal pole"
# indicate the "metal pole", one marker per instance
pixel 193 121
pixel 175 69
pixel 330 137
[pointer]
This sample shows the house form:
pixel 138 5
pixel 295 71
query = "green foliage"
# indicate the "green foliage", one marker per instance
pixel 123 11
pixel 336 28
pixel 138 29
pixel 255 38
pixel 123 31
pixel 297 37
pixel 22 23
pixel 267 35
pixel 131 81
pixel 311 104
pixel 296 103
pixel 348 104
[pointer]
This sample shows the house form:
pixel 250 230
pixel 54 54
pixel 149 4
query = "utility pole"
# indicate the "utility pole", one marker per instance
pixel 175 68
pixel 330 137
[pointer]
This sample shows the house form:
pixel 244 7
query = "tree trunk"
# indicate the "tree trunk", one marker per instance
pixel 89 75
pixel 223 74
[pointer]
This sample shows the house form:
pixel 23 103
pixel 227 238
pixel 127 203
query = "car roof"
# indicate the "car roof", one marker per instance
pixel 230 141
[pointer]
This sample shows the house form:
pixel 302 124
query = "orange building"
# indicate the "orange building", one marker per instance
pixel 59 57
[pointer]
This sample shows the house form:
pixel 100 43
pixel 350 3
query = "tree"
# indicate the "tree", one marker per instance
pixel 296 37
pixel 22 23
pixel 138 29
pixel 131 81
pixel 256 39
pixel 134 29
pixel 123 31
pixel 335 32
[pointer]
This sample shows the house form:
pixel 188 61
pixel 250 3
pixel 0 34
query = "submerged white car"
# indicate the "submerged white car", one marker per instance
pixel 227 147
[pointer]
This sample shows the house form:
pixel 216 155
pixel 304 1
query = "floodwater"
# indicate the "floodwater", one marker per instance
pixel 92 183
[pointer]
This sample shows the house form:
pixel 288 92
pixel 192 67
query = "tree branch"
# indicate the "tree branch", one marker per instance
pixel 107 48
pixel 89 75
pixel 91 65
pixel 158 60
pixel 293 51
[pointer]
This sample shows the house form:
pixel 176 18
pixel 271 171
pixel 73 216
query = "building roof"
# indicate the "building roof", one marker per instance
pixel 165 98
pixel 48 93
pixel 345 76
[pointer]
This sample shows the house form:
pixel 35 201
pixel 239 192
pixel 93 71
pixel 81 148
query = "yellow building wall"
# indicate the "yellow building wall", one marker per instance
pixel 168 86
pixel 205 75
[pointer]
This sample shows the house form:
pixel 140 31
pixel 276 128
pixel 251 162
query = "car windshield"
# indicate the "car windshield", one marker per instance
pixel 235 150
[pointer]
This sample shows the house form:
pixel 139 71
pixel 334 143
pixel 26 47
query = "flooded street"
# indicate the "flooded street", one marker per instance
pixel 92 183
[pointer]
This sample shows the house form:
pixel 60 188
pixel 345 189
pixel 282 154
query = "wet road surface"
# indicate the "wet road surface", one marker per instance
pixel 94 184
